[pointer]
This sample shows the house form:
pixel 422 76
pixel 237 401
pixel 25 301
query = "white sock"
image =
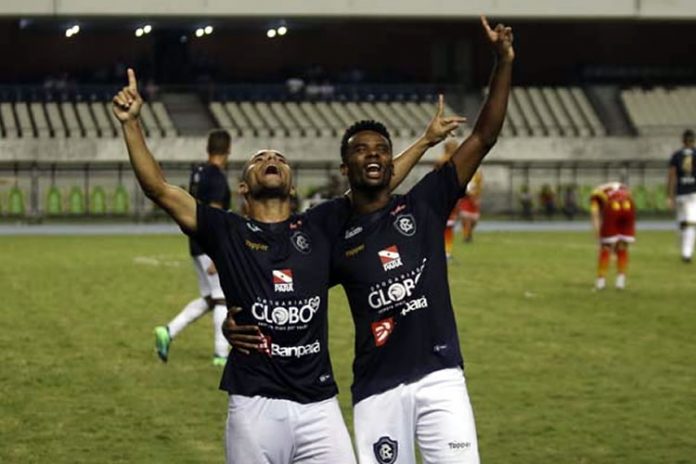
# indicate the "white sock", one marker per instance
pixel 222 348
pixel 621 281
pixel 601 283
pixel 190 313
pixel 688 237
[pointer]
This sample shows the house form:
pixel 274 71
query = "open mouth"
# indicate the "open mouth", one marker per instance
pixel 373 170
pixel 272 169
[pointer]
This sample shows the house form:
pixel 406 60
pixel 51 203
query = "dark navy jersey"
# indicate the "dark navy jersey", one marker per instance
pixel 683 161
pixel 279 275
pixel 208 184
pixel 392 266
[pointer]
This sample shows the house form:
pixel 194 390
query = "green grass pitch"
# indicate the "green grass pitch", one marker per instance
pixel 556 373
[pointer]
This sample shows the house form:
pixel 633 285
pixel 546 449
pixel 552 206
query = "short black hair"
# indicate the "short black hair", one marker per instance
pixel 688 133
pixel 219 142
pixel 360 126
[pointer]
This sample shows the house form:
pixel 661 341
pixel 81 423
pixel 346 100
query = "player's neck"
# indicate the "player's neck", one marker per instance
pixel 269 210
pixel 369 201
pixel 217 160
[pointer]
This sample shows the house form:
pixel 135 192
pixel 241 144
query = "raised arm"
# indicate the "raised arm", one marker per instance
pixel 174 200
pixel 470 153
pixel 438 129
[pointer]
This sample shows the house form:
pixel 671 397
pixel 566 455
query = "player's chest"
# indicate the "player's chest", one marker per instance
pixel 373 248
pixel 286 263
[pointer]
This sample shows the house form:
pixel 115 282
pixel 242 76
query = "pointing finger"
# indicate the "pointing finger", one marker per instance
pixel 457 119
pixel 484 23
pixel 132 82
pixel 440 105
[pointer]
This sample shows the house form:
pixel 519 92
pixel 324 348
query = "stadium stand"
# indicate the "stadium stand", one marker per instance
pixel 78 115
pixel 660 111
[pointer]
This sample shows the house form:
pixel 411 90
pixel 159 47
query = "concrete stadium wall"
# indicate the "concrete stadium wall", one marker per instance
pixel 675 9
pixel 326 149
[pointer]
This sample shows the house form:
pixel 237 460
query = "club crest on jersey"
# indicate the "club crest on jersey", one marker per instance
pixel 282 280
pixel 386 450
pixel 381 330
pixel 253 227
pixel 301 242
pixel 390 258
pixel 405 224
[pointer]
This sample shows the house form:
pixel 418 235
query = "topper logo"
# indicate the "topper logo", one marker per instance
pixel 282 280
pixel 390 258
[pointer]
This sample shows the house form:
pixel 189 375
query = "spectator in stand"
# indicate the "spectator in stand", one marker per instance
pixel 547 201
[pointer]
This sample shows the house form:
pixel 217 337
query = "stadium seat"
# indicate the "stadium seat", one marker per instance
pixel 8 120
pixel 121 201
pixel 55 121
pixel 54 201
pixel 15 202
pixel 40 120
pixel 76 201
pixel 97 201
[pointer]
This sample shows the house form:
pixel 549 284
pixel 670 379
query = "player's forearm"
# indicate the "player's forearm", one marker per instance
pixel 492 115
pixel 407 159
pixel 671 183
pixel 146 169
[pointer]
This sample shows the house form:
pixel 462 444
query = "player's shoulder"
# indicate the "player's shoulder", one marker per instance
pixel 335 206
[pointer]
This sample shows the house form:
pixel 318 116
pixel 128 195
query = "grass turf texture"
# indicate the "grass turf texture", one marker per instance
pixel 556 373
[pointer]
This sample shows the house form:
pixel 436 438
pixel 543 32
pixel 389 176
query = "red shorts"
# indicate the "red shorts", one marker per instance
pixel 618 223
pixel 469 208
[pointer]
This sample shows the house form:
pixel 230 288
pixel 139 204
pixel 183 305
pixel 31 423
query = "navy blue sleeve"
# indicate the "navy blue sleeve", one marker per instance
pixel 213 189
pixel 211 227
pixel 439 189
pixel 673 161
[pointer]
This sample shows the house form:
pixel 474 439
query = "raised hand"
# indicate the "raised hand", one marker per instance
pixel 500 39
pixel 127 103
pixel 440 126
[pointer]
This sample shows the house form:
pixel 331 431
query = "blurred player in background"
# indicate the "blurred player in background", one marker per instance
pixel 408 382
pixel 681 193
pixel 449 148
pixel 470 206
pixel 207 184
pixel 613 219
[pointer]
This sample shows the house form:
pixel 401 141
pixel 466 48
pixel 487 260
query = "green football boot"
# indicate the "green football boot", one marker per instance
pixel 162 341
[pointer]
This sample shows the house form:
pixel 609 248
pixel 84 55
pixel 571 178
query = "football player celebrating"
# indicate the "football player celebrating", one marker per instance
pixel 408 383
pixel 274 265
pixel 613 219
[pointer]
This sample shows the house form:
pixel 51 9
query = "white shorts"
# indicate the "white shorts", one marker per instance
pixel 208 285
pixel 272 431
pixel 686 208
pixel 435 410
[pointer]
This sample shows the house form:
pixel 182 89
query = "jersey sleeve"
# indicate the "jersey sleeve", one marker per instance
pixel 440 190
pixel 211 227
pixel 673 161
